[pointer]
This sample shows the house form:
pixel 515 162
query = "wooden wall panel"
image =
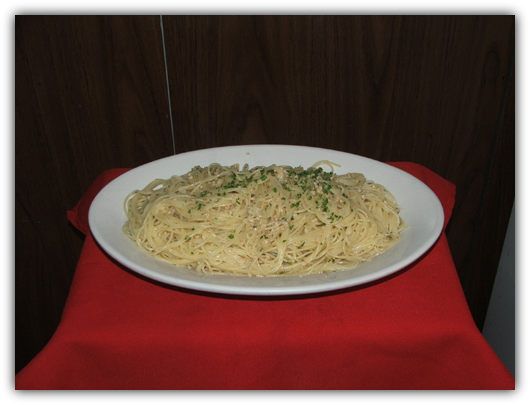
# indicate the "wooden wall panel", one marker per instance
pixel 426 89
pixel 494 210
pixel 90 95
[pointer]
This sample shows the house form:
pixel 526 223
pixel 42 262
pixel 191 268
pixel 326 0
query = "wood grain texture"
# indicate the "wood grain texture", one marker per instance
pixel 91 94
pixel 381 86
pixel 495 209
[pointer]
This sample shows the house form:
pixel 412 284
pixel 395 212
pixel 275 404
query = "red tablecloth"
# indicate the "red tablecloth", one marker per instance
pixel 410 331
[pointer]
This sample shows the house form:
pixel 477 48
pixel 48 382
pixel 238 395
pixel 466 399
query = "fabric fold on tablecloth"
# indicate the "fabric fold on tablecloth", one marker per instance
pixel 412 330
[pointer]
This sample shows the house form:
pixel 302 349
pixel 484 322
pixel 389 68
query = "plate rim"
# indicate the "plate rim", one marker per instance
pixel 208 286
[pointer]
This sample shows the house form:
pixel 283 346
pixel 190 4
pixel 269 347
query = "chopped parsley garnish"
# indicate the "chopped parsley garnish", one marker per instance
pixel 298 185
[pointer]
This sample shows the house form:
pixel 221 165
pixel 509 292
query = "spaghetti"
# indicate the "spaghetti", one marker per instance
pixel 265 221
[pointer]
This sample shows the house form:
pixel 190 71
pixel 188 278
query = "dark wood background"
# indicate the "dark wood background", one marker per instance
pixel 91 93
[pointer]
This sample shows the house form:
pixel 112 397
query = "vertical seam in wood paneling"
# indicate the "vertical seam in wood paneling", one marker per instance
pixel 167 84
pixel 489 168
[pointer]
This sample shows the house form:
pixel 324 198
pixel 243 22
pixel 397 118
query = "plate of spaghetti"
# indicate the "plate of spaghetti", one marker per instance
pixel 266 220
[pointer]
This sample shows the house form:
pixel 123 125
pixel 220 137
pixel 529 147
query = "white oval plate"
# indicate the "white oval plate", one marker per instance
pixel 420 209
